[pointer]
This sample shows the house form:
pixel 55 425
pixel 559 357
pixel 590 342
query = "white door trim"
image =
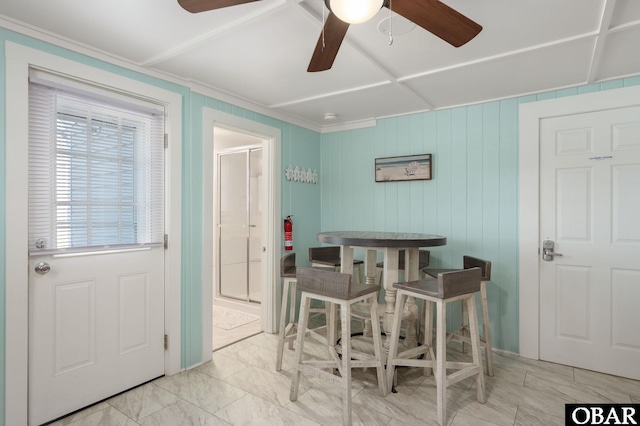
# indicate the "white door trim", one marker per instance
pixel 271 153
pixel 529 195
pixel 19 59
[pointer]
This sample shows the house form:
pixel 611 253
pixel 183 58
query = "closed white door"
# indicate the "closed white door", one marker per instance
pixel 96 328
pixel 590 209
pixel 96 280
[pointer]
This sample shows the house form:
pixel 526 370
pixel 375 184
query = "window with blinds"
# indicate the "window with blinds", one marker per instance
pixel 95 172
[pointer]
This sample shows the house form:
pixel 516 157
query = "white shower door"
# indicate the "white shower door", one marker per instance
pixel 240 224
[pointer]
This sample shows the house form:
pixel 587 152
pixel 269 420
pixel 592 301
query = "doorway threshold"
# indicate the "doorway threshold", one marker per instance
pixel 253 308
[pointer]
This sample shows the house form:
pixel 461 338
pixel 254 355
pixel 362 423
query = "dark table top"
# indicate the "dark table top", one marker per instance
pixel 381 239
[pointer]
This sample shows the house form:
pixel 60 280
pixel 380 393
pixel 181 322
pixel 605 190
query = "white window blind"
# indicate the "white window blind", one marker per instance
pixel 95 172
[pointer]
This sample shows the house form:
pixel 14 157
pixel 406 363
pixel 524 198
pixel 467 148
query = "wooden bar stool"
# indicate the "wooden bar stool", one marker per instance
pixel 331 256
pixel 287 330
pixel 336 288
pixel 462 333
pixel 448 287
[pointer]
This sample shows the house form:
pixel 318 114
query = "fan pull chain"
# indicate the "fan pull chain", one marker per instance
pixel 390 24
pixel 323 23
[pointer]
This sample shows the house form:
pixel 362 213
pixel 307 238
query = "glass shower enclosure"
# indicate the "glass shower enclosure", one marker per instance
pixel 240 224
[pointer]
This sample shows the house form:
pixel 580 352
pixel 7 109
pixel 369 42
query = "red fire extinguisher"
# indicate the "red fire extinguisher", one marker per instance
pixel 288 234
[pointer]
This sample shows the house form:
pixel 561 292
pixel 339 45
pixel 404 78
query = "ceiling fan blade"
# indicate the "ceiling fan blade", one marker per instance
pixel 334 32
pixel 195 6
pixel 439 19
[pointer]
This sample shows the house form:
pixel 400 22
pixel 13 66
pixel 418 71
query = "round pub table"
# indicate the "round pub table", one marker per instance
pixel 391 243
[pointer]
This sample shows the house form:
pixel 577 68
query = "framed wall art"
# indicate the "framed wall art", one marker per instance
pixel 407 167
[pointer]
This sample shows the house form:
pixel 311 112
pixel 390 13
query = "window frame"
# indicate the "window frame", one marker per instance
pixel 147 225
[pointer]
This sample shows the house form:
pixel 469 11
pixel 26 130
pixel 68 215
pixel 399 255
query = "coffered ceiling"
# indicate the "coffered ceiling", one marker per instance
pixel 257 53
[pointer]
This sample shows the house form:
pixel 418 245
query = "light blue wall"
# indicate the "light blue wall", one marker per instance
pixel 299 147
pixel 472 199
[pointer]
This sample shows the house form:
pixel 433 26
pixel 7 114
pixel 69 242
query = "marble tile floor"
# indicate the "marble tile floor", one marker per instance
pixel 241 387
pixel 223 338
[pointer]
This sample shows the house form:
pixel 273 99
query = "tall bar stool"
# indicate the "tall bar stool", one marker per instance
pixel 462 333
pixel 448 287
pixel 287 331
pixel 330 256
pixel 336 288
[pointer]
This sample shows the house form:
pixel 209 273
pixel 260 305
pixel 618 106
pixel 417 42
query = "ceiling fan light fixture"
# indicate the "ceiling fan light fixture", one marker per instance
pixel 355 11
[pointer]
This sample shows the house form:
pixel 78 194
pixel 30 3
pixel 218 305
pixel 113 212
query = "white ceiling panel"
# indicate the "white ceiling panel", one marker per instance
pixel 625 12
pixel 136 30
pixel 520 26
pixel 512 25
pixel 621 55
pixel 375 102
pixel 537 70
pixel 271 68
pixel 259 52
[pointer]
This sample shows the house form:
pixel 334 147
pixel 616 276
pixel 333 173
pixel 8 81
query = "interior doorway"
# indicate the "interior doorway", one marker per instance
pixel 271 141
pixel 239 217
pixel 238 236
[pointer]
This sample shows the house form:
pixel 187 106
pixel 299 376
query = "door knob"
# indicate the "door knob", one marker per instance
pixel 42 268
pixel 547 250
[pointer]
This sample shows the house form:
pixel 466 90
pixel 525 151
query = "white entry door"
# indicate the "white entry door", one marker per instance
pixel 96 328
pixel 590 209
pixel 96 266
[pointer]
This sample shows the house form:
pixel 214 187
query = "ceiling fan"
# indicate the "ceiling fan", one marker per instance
pixel 432 15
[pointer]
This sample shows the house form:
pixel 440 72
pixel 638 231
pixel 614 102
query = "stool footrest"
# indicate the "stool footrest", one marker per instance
pixel 409 362
pixel 468 371
pixel 413 352
pixel 431 363
pixel 464 339
pixel 364 363
pixel 294 333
